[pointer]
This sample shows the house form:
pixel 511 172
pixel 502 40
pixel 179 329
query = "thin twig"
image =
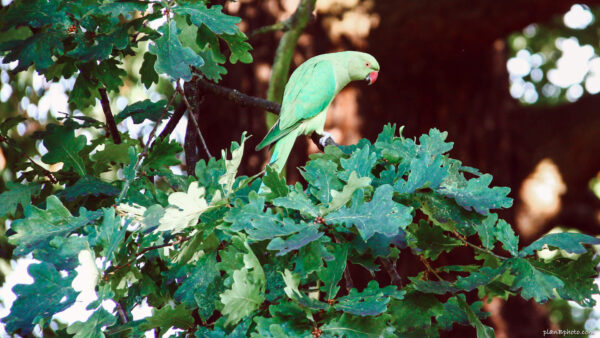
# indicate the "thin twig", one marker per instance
pixel 279 26
pixel 191 116
pixel 146 146
pixel 145 151
pixel 141 253
pixel 173 121
pixel 238 97
pixel 110 119
pixel 429 268
pixel 45 171
pixel 390 267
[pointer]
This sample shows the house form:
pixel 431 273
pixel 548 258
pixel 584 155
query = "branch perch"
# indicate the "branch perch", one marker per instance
pixel 238 97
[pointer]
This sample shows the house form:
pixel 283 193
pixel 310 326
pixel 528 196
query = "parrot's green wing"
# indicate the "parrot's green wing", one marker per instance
pixel 308 92
pixel 274 135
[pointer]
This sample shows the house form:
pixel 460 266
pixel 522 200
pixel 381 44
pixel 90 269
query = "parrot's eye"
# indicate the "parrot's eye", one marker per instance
pixel 367 64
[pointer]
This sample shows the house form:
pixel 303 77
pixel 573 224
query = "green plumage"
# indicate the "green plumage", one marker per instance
pixel 308 95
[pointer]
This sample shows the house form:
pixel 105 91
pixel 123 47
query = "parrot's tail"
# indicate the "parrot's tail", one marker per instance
pixel 282 150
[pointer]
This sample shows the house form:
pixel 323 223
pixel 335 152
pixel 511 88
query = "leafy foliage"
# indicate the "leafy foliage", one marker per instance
pixel 216 255
pixel 259 260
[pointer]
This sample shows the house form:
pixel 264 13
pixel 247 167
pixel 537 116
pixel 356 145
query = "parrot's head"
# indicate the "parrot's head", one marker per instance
pixel 363 66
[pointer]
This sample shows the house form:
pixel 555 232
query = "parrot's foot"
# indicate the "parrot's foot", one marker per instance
pixel 326 139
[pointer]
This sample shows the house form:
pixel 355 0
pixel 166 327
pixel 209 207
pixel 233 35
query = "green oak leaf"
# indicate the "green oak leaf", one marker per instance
pixel 445 213
pixel 349 326
pixel 536 284
pixel 340 198
pixel 431 239
pixel 211 68
pixel 17 194
pixel 577 276
pixel 94 326
pixel 372 301
pixel 193 290
pixel 89 186
pixel 184 209
pixel 162 154
pixel 483 331
pixel 41 300
pixel 478 278
pixel 112 153
pixel 114 9
pixel 310 257
pixel 277 185
pixel 380 215
pixel 477 195
pixel 109 234
pixel 62 252
pixel 434 143
pixel 424 173
pixel 64 147
pixel 213 17
pixel 486 231
pixel 37 13
pixel 231 166
pixel 39 226
pixel 506 235
pixel 295 242
pixel 332 274
pixel 415 310
pixel 361 162
pixel 259 224
pixel 37 49
pixel 167 317
pixel 173 58
pixel 240 49
pixel 143 110
pixel 321 177
pixel 567 241
pixel 244 297
pixel 148 75
pixel 297 200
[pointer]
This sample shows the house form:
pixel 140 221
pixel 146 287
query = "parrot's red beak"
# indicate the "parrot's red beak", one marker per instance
pixel 372 77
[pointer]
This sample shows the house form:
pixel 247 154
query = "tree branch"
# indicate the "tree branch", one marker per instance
pixel 238 97
pixel 191 116
pixel 280 26
pixel 390 267
pixel 110 119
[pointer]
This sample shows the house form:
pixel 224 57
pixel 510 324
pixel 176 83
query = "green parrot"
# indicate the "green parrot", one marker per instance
pixel 308 95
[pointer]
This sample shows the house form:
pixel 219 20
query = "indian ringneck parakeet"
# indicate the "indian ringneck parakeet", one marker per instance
pixel 308 95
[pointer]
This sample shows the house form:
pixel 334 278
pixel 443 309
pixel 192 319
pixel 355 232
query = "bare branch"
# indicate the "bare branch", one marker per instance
pixel 280 26
pixel 110 119
pixel 390 267
pixel 191 116
pixel 121 312
pixel 238 97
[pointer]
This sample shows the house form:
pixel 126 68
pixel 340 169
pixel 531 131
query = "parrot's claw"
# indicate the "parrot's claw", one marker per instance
pixel 326 139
